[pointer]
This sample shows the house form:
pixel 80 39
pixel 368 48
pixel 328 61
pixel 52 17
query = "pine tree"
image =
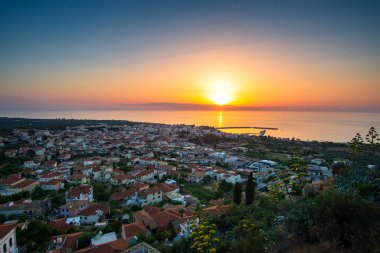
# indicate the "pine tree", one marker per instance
pixel 356 145
pixel 372 135
pixel 373 141
pixel 237 194
pixel 249 190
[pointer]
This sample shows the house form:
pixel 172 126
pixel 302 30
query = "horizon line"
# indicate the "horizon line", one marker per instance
pixel 163 106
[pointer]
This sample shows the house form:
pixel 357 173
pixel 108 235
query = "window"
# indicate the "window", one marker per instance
pixel 5 247
pixel 10 242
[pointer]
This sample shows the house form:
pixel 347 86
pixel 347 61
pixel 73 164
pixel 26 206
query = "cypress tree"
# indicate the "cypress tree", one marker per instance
pixel 237 194
pixel 249 190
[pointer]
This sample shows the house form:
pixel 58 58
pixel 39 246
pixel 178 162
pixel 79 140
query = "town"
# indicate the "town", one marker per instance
pixel 144 187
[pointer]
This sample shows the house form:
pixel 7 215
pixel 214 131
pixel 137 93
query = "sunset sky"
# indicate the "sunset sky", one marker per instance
pixel 250 54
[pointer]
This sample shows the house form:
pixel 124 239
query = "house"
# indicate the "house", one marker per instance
pixel 120 196
pixel 96 160
pixel 39 151
pixel 11 180
pixel 129 231
pixel 117 246
pixel 64 243
pixel 150 196
pixel 96 173
pixel 60 224
pixel 151 209
pixel 83 192
pixel 10 153
pixel 26 207
pixel 50 164
pixel 144 217
pixel 79 179
pixel 145 176
pixel 53 185
pixel 168 188
pixel 140 186
pixel 93 213
pixel 73 208
pixel 196 176
pixel 8 238
pixel 26 185
pixel 165 217
pixel 54 175
pixel 31 165
pixel 121 179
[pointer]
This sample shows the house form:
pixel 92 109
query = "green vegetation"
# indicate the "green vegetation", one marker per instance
pixel 101 192
pixel 203 238
pixel 203 192
pixel 35 236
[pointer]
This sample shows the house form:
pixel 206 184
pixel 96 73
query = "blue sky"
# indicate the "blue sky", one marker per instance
pixel 41 36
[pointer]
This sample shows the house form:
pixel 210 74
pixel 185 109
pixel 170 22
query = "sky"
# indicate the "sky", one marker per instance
pixel 190 54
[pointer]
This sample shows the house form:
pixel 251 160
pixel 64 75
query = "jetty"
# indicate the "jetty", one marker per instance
pixel 248 127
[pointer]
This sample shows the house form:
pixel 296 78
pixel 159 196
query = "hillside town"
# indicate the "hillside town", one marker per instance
pixel 136 187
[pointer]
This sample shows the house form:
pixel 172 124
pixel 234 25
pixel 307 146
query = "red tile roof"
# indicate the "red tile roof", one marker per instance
pixel 139 185
pixel 93 208
pixel 145 173
pixel 163 218
pixel 25 183
pixel 151 209
pixel 133 229
pixel 11 179
pixel 5 229
pixel 69 242
pixel 167 187
pixel 150 191
pixel 77 190
pixel 216 210
pixel 120 177
pixel 77 176
pixel 59 224
pixel 118 196
pixel 145 218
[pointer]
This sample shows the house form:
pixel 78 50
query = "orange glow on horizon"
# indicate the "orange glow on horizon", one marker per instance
pixel 266 74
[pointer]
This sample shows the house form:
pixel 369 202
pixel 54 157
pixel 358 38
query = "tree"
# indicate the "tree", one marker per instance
pixel 100 192
pixel 203 238
pixel 250 190
pixel 338 168
pixel 237 194
pixel 372 135
pixel 372 140
pixel 225 187
pixel 347 219
pixel 37 233
pixel 356 145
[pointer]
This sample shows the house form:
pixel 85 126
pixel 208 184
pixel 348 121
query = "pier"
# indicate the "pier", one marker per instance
pixel 248 127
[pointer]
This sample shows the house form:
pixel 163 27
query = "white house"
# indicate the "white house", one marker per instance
pixel 150 196
pixel 80 192
pixel 8 238
pixel 93 213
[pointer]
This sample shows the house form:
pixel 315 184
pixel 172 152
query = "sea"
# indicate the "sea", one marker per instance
pixel 307 126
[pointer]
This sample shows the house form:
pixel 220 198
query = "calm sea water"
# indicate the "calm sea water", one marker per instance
pixel 326 126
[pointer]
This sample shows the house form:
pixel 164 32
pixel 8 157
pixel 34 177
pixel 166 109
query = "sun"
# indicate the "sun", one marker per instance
pixel 221 93
pixel 221 98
